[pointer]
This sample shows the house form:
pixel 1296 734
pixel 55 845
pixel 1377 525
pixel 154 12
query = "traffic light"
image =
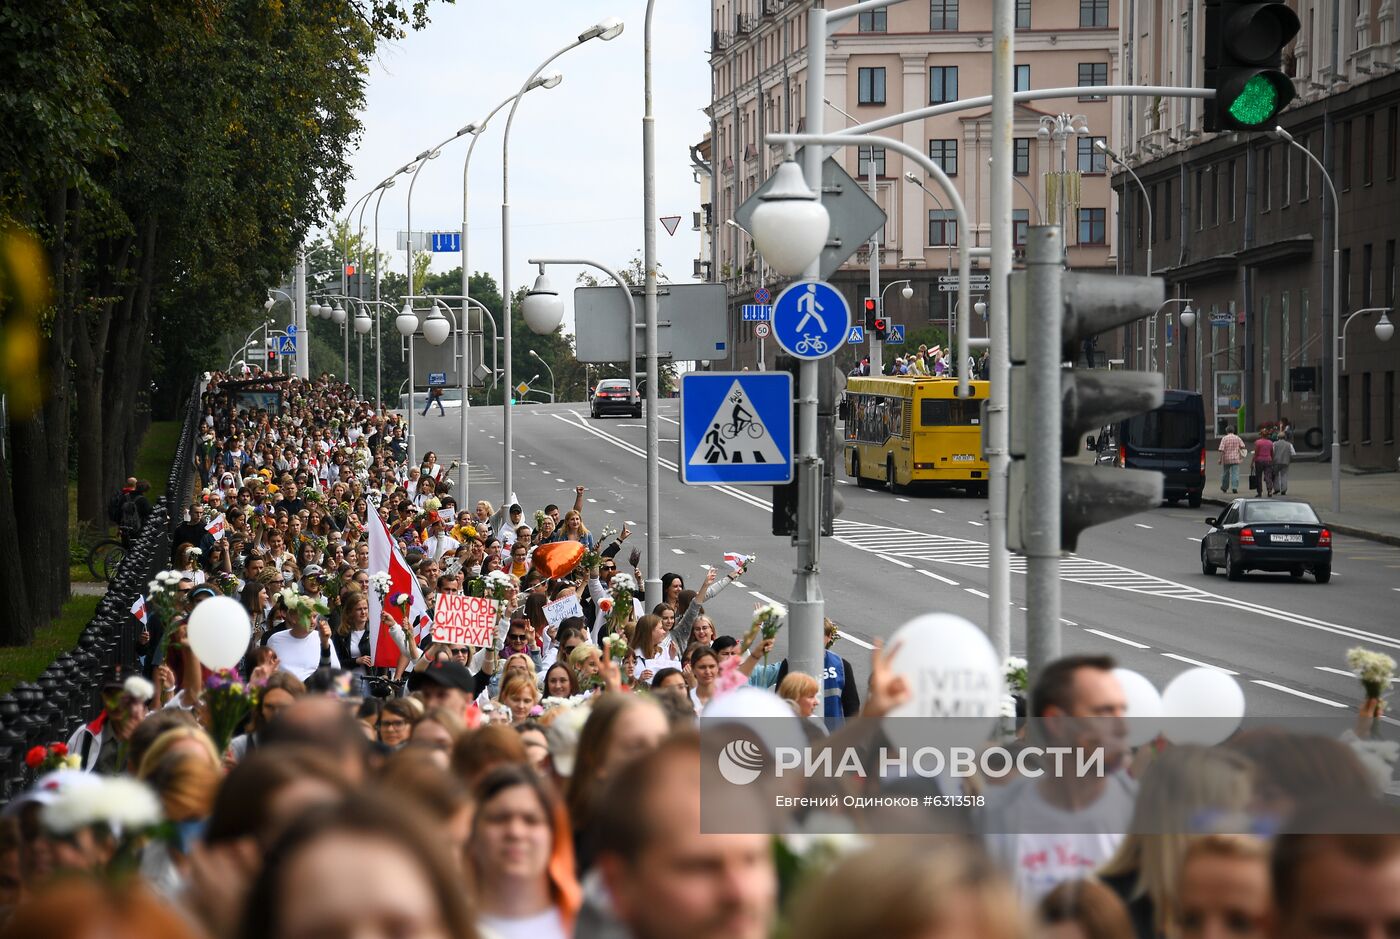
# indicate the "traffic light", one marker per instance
pixel 872 310
pixel 1243 58
pixel 881 327
pixel 830 384
pixel 1090 398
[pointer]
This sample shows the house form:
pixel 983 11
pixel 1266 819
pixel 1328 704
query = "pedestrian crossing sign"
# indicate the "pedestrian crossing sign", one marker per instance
pixel 856 336
pixel 287 345
pixel 896 335
pixel 736 428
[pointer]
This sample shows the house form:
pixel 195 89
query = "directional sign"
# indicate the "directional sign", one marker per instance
pixel 811 319
pixel 437 379
pixel 449 241
pixel 757 312
pixel 896 334
pixel 854 215
pixel 736 428
pixel 287 345
pixel 976 288
pixel 973 280
pixel 856 335
pixel 761 330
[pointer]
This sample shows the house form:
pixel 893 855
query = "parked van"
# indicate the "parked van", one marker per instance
pixel 1171 439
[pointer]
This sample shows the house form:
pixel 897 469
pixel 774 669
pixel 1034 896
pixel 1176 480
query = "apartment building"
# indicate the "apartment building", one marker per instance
pixel 912 55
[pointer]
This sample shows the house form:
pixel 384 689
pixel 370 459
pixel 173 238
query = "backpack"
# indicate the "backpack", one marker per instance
pixel 130 515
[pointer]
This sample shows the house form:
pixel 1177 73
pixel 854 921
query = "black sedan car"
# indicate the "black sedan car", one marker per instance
pixel 615 396
pixel 1268 535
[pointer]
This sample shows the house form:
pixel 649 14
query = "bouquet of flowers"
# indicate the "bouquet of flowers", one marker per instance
pixel 767 620
pixel 623 589
pixel 313 496
pixel 1375 669
pixel 1016 674
pixel 496 585
pixel 617 651
pixel 302 607
pixel 401 601
pixel 539 519
pixel 227 704
pixel 226 583
pixel 379 581
pixel 54 756
pixel 161 593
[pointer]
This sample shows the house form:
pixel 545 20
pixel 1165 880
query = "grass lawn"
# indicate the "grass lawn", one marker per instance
pixel 51 641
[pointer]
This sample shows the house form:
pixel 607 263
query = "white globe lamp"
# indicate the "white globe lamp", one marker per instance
pixel 436 327
pixel 790 226
pixel 407 321
pixel 543 308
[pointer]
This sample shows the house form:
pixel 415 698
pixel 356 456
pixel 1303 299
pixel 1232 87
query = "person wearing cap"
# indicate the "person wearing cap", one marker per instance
pixel 97 742
pixel 444 684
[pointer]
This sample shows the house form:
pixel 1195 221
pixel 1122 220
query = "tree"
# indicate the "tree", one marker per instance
pixel 634 274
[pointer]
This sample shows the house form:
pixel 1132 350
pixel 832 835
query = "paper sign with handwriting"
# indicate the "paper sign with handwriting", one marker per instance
pixel 460 620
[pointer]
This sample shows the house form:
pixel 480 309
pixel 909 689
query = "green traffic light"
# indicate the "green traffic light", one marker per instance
pixel 1256 103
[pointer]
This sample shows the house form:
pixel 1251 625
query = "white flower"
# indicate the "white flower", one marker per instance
pixel 138 689
pixel 1014 662
pixel 1008 705
pixel 1369 666
pixel 195 552
pixel 773 610
pixel 119 802
pixel 154 588
pixel 498 579
pixel 623 581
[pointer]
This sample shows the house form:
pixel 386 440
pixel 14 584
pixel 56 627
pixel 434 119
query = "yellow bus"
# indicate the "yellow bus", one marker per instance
pixel 902 430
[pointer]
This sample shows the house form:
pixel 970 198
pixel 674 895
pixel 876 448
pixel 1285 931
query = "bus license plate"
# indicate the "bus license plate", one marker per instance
pixel 963 458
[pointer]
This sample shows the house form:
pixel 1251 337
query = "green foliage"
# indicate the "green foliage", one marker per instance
pixel 28 662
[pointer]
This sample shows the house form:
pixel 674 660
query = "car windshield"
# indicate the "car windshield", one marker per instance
pixel 1280 512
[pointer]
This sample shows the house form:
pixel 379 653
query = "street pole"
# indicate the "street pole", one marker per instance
pixel 421 160
pixel 877 348
pixel 1151 350
pixel 303 352
pixel 653 574
pixel 1044 259
pixel 998 332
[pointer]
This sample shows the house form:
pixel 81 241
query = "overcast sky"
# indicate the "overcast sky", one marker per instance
pixel 575 154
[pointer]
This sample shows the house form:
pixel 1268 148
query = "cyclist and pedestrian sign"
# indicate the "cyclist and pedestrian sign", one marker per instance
pixel 811 319
pixel 736 428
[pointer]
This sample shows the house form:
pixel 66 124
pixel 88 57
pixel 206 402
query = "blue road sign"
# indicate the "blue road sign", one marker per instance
pixel 896 336
pixel 437 379
pixel 761 295
pixel 811 319
pixel 736 428
pixel 287 345
pixel 292 329
pixel 757 313
pixel 450 241
pixel 857 334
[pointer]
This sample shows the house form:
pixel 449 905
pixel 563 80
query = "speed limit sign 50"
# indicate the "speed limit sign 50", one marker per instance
pixel 761 330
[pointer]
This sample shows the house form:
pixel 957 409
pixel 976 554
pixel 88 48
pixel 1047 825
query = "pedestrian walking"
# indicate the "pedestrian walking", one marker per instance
pixel 1283 458
pixel 1262 478
pixel 434 397
pixel 1232 452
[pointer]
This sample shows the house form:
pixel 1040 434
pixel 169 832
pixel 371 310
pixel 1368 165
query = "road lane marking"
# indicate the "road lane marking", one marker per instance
pixel 611 511
pixel 1141 525
pixel 532 463
pixel 1345 673
pixel 1199 663
pixel 559 479
pixel 844 482
pixel 900 499
pixel 677 551
pixel 896 561
pixel 978 524
pixel 1070 622
pixel 592 500
pixel 975 592
pixel 1296 693
pixel 1126 642
pixel 849 638
pixel 939 511
pixel 765 599
pixel 1189 538
pixel 939 577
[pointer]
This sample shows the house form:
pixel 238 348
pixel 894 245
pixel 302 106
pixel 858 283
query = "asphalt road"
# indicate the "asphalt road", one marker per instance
pixel 1135 589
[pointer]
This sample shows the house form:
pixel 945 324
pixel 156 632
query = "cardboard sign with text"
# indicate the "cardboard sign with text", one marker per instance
pixel 560 610
pixel 460 620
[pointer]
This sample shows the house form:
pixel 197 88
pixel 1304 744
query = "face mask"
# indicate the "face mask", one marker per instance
pixel 286 577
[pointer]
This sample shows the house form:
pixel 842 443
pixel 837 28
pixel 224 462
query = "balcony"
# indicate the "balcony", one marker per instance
pixel 747 22
pixel 771 7
pixel 722 39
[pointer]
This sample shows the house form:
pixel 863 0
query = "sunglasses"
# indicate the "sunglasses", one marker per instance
pixel 518 637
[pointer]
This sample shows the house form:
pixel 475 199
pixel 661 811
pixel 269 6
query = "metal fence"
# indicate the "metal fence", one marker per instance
pixel 68 693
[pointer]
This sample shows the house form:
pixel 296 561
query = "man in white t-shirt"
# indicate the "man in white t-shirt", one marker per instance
pixel 1055 828
pixel 301 650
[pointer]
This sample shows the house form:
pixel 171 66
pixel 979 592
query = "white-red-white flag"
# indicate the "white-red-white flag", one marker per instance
pixel 385 557
pixel 216 528
pixel 736 560
pixel 138 609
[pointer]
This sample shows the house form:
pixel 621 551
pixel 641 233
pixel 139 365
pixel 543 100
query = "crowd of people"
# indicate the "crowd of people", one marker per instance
pixel 929 361
pixel 549 783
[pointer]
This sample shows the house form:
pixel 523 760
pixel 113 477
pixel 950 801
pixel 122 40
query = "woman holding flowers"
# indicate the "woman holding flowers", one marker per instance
pixel 189 564
pixel 652 645
pixel 306 645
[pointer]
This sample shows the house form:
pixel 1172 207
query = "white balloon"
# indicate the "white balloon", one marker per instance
pixel 1144 706
pixel 219 630
pixel 1202 705
pixel 772 718
pixel 953 672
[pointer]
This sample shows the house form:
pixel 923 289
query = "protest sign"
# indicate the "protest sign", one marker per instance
pixel 560 610
pixel 460 620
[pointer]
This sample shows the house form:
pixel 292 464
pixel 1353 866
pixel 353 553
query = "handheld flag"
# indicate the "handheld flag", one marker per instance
pixel 138 609
pixel 737 561
pixel 385 557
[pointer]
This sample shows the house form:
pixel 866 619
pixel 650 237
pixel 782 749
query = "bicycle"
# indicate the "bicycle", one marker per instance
pixel 731 430
pixel 810 343
pixel 104 557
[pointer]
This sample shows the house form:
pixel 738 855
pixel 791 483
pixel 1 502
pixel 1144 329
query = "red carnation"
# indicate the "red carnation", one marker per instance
pixel 58 749
pixel 35 757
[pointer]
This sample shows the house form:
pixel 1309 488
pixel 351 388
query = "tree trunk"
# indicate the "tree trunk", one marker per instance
pixel 90 334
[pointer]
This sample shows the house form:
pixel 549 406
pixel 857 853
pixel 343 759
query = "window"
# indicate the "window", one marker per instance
pixel 1093 227
pixel 1344 406
pixel 1389 273
pixel 1266 384
pixel 1167 209
pixel 1215 185
pixel 868 160
pixel 872 86
pixel 875 22
pixel 1023 78
pixel 1023 14
pixel 1304 172
pixel 1344 132
pixel 942 228
pixel 1366 260
pixel 1229 194
pixel 1091 160
pixel 1345 284
pixel 1388 409
pixel 1020 226
pixel 1285 343
pixel 942 15
pixel 1390 140
pixel 1093 14
pixel 942 84
pixel 1266 178
pixel 1365 407
pixel 1287 174
pixel 945 154
pixel 1093 73
pixel 1368 148
pixel 1021 156
pixel 1200 199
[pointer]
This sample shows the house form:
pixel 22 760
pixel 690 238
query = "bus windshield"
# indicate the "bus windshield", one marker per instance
pixel 949 412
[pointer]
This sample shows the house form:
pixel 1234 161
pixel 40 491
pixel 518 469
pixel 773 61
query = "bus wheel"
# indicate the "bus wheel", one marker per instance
pixel 861 481
pixel 890 477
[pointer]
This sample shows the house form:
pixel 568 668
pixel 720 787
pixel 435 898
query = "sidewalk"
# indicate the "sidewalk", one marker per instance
pixel 1370 501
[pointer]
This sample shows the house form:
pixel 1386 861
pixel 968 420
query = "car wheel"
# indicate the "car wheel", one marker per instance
pixel 1296 573
pixel 594 412
pixel 1207 568
pixel 1194 500
pixel 1322 573
pixel 637 413
pixel 1234 570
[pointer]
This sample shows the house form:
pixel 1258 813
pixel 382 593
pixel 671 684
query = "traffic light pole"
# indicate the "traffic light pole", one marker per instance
pixel 877 346
pixel 1041 534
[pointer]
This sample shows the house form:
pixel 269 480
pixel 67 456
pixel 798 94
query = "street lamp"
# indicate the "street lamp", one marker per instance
pixel 907 293
pixel 606 30
pixel 338 315
pixel 543 308
pixel 363 322
pixel 436 327
pixel 790 224
pixel 536 356
pixel 1150 350
pixel 1384 329
pixel 1061 127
